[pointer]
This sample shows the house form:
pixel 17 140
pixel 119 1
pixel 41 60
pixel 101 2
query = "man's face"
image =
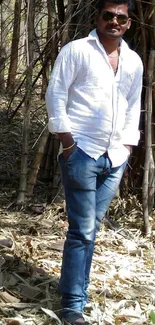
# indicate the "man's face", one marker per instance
pixel 111 26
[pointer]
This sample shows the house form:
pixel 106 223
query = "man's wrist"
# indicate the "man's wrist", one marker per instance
pixel 66 139
pixel 70 147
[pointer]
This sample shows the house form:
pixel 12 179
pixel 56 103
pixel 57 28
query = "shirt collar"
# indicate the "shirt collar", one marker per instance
pixel 123 45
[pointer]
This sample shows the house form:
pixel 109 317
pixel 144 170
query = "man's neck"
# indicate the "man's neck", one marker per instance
pixel 110 45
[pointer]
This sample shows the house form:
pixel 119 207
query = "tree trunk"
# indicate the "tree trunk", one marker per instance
pixel 151 189
pixel 52 47
pixel 61 11
pixel 36 164
pixel 143 34
pixel 26 122
pixel 14 48
pixel 148 142
pixel 2 52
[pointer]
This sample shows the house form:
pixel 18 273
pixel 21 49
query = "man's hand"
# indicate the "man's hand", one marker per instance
pixel 67 141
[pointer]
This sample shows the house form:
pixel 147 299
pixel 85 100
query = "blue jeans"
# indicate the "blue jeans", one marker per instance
pixel 89 186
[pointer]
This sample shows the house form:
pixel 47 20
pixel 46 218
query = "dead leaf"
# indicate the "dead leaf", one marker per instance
pixel 7 297
pixel 28 291
pixel 51 314
pixel 15 321
pixel 6 242
pixel 2 261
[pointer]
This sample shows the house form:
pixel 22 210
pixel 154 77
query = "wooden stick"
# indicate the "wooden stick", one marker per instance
pixel 148 141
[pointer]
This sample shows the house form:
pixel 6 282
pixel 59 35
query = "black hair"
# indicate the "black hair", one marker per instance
pixel 101 4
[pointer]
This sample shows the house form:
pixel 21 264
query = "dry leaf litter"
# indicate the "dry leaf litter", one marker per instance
pixel 122 277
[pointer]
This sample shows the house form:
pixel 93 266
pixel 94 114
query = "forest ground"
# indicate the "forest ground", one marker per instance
pixel 122 287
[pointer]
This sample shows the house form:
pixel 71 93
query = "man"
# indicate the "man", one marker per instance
pixel 93 103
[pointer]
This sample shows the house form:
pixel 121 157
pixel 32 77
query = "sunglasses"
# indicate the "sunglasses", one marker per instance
pixel 109 16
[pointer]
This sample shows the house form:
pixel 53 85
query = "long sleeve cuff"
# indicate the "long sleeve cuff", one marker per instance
pixel 59 125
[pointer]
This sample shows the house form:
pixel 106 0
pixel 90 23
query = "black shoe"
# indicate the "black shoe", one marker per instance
pixel 113 225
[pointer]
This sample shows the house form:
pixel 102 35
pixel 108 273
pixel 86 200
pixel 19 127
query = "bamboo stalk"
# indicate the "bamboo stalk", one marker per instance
pixel 148 142
pixel 48 170
pixel 151 189
pixel 36 164
pixel 43 161
pixel 28 97
pixel 143 33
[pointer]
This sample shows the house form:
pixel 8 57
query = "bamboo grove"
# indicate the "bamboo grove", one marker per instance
pixel 32 33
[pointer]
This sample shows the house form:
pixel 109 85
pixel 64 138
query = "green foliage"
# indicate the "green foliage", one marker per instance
pixel 9 38
pixel 152 316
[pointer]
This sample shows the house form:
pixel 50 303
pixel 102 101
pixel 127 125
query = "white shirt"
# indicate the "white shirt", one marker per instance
pixel 84 97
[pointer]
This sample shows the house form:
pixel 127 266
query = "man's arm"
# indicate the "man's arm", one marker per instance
pixel 63 75
pixel 131 132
